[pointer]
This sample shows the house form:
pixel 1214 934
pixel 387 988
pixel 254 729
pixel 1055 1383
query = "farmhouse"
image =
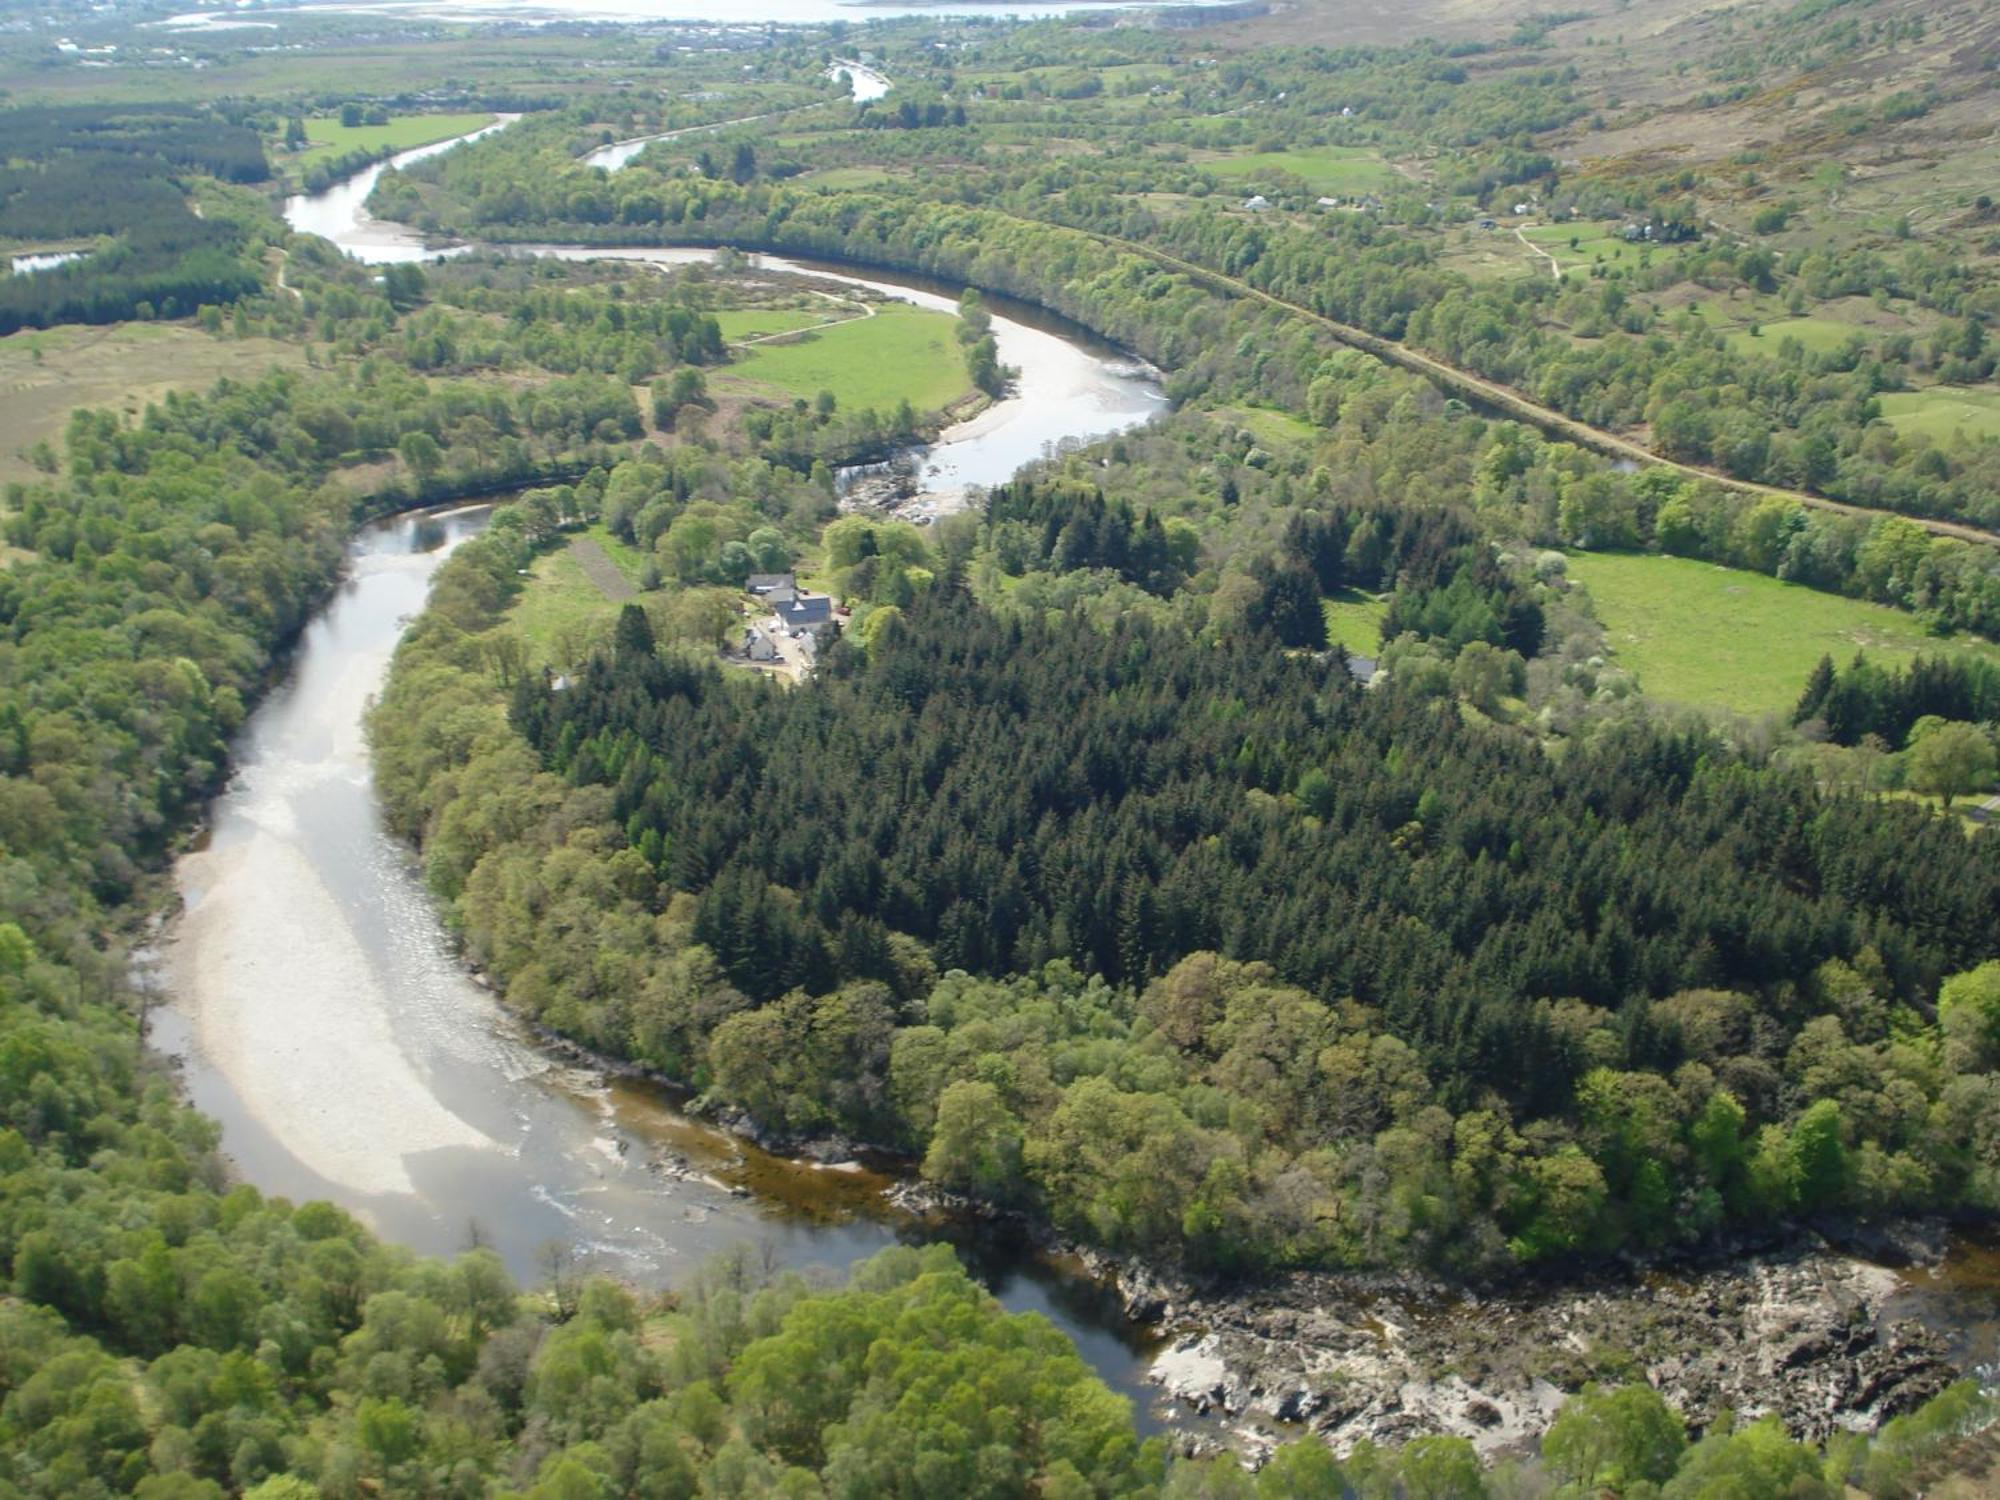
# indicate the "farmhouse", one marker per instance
pixel 806 614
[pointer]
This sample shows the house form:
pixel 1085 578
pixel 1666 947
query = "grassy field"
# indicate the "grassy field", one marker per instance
pixel 1716 637
pixel 1355 620
pixel 903 353
pixel 754 322
pixel 627 558
pixel 1325 169
pixel 1818 335
pixel 45 374
pixel 561 610
pixel 845 179
pixel 1594 243
pixel 1272 428
pixel 330 137
pixel 1945 411
pixel 480 63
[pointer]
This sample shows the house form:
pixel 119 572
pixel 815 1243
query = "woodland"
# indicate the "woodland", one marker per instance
pixel 115 177
pixel 1083 876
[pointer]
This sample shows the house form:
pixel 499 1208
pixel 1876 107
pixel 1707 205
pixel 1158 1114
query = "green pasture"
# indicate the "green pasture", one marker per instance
pixel 1324 169
pixel 903 353
pixel 402 133
pixel 1715 637
pixel 1945 411
pixel 754 322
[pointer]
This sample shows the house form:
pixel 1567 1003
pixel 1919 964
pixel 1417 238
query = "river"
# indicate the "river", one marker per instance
pixel 865 83
pixel 321 1017
pixel 1071 385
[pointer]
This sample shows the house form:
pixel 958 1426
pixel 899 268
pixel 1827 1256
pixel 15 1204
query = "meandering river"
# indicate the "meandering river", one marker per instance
pixel 324 1021
pixel 322 1018
pixel 1071 386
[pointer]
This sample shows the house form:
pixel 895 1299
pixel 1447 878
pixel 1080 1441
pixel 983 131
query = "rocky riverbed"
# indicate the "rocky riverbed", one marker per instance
pixel 1800 1332
pixel 1806 1330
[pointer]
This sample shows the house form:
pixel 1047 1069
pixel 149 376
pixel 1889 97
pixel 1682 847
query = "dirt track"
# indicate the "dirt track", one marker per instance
pixel 1505 398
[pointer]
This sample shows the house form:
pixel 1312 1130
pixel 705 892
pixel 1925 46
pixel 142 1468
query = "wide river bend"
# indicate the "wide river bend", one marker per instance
pixel 322 1017
pixel 320 1013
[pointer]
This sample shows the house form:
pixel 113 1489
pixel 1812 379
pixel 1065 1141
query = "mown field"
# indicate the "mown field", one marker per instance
pixel 903 353
pixel 1714 637
pixel 845 179
pixel 562 605
pixel 1355 620
pixel 1945 412
pixel 329 136
pixel 1324 169
pixel 1271 427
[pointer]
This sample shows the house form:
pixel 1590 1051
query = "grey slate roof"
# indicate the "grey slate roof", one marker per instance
pixel 807 611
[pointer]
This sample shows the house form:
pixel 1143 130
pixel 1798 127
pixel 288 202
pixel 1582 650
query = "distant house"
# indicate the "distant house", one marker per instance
pixel 1521 208
pixel 759 646
pixel 1256 204
pixel 806 614
pixel 764 583
pixel 1329 203
pixel 1361 669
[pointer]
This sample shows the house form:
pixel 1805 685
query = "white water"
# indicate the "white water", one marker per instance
pixel 27 265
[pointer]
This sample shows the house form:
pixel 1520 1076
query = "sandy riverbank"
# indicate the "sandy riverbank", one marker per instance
pixel 322 1071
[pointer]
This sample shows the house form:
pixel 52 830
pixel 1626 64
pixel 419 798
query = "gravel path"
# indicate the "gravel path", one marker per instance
pixel 600 569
